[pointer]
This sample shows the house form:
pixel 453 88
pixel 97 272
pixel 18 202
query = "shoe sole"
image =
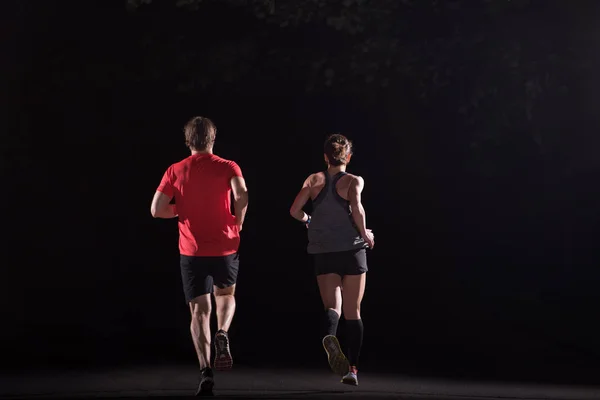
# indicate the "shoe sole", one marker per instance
pixel 336 358
pixel 223 359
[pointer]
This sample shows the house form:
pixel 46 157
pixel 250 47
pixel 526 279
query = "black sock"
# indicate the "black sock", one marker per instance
pixel 354 333
pixel 331 319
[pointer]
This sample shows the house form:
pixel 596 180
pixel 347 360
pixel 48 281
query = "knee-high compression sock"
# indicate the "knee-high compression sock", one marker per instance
pixel 354 333
pixel 330 322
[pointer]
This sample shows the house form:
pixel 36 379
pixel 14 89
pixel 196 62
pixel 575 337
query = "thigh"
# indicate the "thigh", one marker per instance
pixel 226 291
pixel 200 305
pixel 225 270
pixel 195 276
pixel 353 292
pixel 330 288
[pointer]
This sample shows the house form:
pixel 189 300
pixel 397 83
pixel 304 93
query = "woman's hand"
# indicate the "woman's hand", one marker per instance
pixel 369 238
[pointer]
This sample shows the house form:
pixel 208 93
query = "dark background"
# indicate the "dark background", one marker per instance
pixel 475 127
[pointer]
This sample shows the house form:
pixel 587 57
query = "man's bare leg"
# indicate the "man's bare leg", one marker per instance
pixel 225 302
pixel 200 309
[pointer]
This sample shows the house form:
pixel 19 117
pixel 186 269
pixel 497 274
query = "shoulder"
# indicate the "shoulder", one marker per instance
pixel 189 160
pixel 229 168
pixel 220 162
pixel 177 166
pixel 224 161
pixel 355 179
pixel 356 182
pixel 315 179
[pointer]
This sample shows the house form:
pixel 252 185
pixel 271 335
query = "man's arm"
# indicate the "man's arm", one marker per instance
pixel 358 211
pixel 240 199
pixel 300 201
pixel 160 207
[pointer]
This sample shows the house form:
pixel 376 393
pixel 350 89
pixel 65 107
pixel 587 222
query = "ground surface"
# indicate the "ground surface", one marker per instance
pixel 178 381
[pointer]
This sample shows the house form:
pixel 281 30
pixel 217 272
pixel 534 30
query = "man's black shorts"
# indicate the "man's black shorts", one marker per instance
pixel 352 262
pixel 199 274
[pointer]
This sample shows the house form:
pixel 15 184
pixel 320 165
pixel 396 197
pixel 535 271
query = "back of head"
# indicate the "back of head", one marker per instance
pixel 337 149
pixel 200 133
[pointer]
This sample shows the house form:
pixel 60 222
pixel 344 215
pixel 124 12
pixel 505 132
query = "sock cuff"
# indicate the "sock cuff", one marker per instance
pixel 354 321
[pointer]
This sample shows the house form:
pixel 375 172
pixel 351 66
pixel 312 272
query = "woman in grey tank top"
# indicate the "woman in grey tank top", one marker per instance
pixel 337 241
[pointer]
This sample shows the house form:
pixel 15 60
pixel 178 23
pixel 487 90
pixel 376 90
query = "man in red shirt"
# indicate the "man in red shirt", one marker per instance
pixel 209 237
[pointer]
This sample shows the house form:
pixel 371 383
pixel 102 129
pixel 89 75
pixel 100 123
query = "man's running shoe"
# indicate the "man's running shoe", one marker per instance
pixel 351 378
pixel 223 360
pixel 337 360
pixel 206 383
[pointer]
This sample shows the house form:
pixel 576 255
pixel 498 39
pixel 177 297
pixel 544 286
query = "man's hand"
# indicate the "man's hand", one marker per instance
pixel 369 238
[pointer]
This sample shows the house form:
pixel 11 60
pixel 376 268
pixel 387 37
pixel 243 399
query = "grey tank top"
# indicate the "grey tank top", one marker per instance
pixel 331 227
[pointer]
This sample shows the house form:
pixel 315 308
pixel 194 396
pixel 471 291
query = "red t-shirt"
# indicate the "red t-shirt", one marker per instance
pixel 201 185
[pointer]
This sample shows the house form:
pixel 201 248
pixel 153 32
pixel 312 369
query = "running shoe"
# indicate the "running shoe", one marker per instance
pixel 351 378
pixel 223 360
pixel 337 360
pixel 206 383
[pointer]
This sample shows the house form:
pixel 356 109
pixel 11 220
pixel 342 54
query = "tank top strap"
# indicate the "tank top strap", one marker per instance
pixel 323 193
pixel 337 177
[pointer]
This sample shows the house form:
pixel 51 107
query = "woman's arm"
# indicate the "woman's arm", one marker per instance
pixel 300 201
pixel 358 211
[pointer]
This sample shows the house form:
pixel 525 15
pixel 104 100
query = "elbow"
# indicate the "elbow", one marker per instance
pixel 241 196
pixel 294 211
pixel 153 212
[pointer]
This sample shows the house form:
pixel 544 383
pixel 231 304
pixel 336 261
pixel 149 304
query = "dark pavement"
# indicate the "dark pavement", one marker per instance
pixel 178 381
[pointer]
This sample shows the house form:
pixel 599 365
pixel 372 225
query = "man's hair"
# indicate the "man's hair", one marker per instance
pixel 200 133
pixel 337 149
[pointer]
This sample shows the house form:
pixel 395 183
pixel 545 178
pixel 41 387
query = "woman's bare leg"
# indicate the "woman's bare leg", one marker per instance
pixel 330 287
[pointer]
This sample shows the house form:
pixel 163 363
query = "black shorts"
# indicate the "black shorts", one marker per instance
pixel 351 262
pixel 199 274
